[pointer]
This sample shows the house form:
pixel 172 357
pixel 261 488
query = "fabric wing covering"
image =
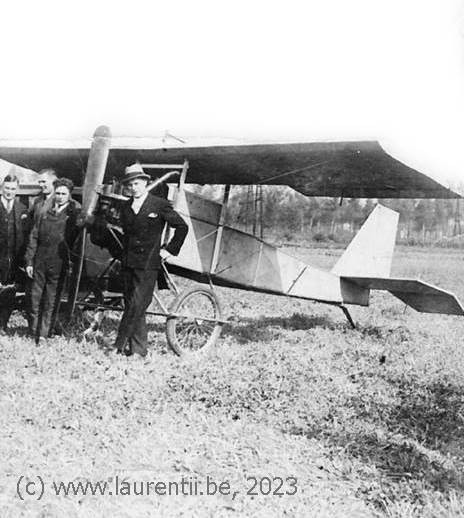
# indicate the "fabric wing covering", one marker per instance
pixel 340 169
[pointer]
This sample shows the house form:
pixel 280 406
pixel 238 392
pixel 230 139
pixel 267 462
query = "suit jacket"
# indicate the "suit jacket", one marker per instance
pixel 142 232
pixel 21 223
pixel 53 235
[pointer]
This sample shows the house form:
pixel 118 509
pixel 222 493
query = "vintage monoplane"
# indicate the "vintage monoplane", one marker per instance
pixel 218 255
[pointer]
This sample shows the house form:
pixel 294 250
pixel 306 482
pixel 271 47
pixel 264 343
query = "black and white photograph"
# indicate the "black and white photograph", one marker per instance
pixel 232 259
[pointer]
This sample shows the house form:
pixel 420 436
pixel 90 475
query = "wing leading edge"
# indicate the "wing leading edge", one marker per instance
pixel 340 169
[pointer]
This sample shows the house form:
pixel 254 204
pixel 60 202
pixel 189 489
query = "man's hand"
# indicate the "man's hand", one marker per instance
pixel 30 271
pixel 164 254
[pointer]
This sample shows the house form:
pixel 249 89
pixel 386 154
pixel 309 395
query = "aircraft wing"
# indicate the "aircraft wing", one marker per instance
pixel 420 295
pixel 340 169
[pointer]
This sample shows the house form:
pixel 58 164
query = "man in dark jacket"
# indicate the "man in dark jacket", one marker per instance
pixel 13 227
pixel 44 201
pixel 48 256
pixel 143 218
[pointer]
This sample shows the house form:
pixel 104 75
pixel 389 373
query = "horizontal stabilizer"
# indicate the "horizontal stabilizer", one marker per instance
pixel 420 295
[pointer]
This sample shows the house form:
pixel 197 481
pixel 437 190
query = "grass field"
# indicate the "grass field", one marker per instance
pixel 370 422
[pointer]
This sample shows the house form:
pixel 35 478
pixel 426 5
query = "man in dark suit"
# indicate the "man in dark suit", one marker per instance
pixel 143 218
pixel 13 228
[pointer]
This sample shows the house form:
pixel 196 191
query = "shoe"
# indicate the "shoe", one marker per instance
pixel 124 348
pixel 31 331
pixel 41 341
pixel 105 342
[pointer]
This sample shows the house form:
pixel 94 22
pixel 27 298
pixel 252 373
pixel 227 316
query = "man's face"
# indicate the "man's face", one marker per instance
pixel 62 195
pixel 137 187
pixel 45 182
pixel 9 190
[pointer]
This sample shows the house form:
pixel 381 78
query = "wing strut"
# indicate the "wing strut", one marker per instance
pixel 220 228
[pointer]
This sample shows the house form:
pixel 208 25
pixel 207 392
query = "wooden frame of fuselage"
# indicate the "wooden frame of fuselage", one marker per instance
pixel 211 268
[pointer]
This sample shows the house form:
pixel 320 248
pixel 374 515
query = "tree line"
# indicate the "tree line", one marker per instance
pixel 281 212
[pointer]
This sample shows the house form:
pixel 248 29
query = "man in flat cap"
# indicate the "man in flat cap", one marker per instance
pixel 143 218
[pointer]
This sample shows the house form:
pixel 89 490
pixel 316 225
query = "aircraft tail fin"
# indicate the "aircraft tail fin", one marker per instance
pixel 370 252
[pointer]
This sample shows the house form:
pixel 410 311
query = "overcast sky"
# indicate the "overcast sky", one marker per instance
pixel 391 70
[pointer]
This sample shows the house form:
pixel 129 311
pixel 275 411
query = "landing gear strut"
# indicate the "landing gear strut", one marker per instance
pixel 348 316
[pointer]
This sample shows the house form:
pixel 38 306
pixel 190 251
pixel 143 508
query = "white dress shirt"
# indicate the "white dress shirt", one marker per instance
pixel 8 204
pixel 138 202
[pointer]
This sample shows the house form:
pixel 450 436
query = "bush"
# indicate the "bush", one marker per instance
pixel 320 237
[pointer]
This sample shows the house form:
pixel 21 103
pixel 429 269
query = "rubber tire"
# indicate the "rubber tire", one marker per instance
pixel 176 307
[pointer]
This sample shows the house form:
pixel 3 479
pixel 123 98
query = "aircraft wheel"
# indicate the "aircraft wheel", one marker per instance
pixel 189 332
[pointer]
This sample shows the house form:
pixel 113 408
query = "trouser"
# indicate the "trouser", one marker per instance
pixel 7 304
pixel 7 298
pixel 27 300
pixel 46 289
pixel 138 293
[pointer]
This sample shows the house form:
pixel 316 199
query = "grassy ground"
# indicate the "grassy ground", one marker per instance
pixel 370 422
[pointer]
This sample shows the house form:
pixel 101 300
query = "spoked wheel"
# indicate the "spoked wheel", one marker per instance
pixel 197 322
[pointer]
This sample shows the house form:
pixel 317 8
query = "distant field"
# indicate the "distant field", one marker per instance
pixel 369 422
